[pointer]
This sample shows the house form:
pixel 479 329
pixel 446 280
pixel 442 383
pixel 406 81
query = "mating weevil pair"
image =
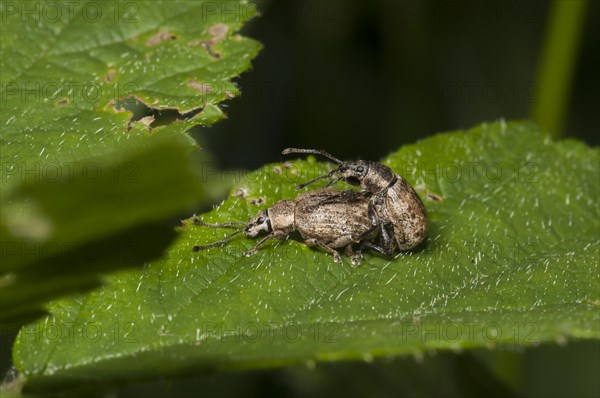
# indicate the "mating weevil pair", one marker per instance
pixel 325 218
pixel 387 211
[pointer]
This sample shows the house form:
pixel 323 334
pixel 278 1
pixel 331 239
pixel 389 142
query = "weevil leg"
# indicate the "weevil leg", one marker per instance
pixel 380 197
pixel 359 255
pixel 374 224
pixel 373 214
pixel 384 191
pixel 355 257
pixel 387 244
pixel 258 245
pixel 274 234
pixel 313 242
pixel 375 247
pixel 386 238
pixel 385 229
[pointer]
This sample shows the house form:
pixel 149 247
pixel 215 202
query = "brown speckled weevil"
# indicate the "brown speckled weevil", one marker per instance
pixel 325 218
pixel 402 221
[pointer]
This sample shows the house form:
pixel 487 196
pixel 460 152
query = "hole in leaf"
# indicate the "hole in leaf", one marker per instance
pixel 150 116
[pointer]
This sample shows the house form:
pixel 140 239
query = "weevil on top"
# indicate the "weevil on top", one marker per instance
pixel 402 221
pixel 325 218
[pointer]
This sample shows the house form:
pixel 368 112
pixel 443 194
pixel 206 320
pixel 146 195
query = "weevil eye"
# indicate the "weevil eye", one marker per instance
pixel 353 181
pixel 260 220
pixel 360 169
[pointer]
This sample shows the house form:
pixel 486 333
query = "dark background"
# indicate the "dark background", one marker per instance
pixel 362 78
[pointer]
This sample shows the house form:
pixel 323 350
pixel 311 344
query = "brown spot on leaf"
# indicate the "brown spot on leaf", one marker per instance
pixel 62 102
pixel 158 38
pixel 290 169
pixel 202 87
pixel 257 201
pixel 208 47
pixel 110 76
pixel 218 32
pixel 241 193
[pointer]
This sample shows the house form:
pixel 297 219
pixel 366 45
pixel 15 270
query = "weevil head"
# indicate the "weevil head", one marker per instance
pixel 354 173
pixel 260 223
pixel 370 176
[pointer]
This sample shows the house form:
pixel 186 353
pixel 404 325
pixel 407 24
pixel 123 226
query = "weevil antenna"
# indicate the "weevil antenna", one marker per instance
pixel 321 152
pixel 328 175
pixel 332 183
pixel 234 224
pixel 217 243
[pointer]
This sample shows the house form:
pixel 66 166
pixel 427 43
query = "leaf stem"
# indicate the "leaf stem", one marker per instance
pixel 557 61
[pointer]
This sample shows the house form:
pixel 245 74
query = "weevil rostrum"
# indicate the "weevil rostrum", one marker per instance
pixel 402 221
pixel 325 218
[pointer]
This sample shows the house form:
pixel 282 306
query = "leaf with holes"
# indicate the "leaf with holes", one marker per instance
pixel 511 259
pixel 86 185
pixel 63 88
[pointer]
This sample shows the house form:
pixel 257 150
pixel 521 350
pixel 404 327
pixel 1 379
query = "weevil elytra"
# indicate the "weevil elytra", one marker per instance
pixel 325 218
pixel 402 220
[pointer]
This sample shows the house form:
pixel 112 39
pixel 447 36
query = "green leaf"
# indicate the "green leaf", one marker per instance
pixel 58 235
pixel 86 185
pixel 62 87
pixel 511 259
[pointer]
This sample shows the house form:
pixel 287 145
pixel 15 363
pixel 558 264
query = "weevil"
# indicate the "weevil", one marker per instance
pixel 402 220
pixel 325 218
